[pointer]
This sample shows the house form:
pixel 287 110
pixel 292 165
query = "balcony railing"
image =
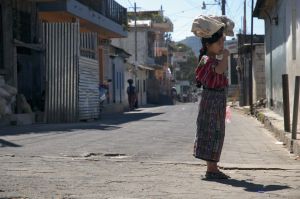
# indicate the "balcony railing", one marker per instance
pixel 108 8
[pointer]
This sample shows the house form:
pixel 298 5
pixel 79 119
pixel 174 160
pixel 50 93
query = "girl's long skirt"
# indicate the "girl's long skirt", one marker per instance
pixel 210 126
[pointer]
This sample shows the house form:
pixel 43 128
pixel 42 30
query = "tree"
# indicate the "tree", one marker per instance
pixel 187 69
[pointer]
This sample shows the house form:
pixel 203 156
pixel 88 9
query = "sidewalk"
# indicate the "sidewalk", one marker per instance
pixel 275 123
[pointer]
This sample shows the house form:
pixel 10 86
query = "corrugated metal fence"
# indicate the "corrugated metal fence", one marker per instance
pixel 88 77
pixel 62 71
pixel 88 88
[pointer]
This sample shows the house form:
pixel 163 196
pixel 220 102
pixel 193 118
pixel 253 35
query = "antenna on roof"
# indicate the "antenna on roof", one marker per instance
pixel 161 10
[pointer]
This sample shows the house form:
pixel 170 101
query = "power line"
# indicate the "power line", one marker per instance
pixel 241 4
pixel 191 4
pixel 183 11
pixel 179 32
pixel 211 8
pixel 249 4
pixel 185 16
pixel 237 13
pixel 130 4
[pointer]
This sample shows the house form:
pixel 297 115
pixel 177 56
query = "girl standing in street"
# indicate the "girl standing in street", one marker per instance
pixel 212 108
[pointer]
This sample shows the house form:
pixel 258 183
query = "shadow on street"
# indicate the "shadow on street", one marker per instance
pixel 107 123
pixel 127 117
pixel 4 143
pixel 251 187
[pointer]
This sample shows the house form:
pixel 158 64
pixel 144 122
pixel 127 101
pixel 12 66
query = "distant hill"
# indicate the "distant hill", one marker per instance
pixel 192 42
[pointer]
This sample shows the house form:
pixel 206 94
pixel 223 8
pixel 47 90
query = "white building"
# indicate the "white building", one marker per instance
pixel 282 48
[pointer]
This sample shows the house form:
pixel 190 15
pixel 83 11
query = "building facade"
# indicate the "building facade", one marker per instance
pixel 258 68
pixel 150 56
pixel 56 53
pixel 282 49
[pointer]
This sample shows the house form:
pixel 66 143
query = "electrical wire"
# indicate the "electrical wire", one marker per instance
pixel 183 11
pixel 233 17
pixel 130 3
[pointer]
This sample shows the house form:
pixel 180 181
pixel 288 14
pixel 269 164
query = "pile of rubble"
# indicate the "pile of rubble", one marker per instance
pixel 261 103
pixel 7 98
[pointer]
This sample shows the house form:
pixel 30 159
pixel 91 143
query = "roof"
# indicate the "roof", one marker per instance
pixel 247 38
pixel 121 51
pixel 263 5
pixel 258 7
pixel 140 23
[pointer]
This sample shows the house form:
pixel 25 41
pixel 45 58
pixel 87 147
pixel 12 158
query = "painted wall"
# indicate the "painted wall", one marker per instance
pixel 118 80
pixel 259 80
pixel 128 45
pixel 275 62
pixel 140 81
pixel 282 48
pixel 293 48
pixel 141 85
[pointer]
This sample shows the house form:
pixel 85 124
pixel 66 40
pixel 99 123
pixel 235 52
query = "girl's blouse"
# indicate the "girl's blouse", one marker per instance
pixel 206 75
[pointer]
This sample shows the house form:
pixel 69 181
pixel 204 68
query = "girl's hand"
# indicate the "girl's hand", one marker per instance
pixel 223 64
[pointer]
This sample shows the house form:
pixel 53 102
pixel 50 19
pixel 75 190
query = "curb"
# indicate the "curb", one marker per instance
pixel 292 145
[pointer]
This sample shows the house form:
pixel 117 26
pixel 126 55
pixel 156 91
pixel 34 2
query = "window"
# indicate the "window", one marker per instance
pixel 144 85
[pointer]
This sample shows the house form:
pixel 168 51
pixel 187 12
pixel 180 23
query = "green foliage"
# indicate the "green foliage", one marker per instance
pixel 187 69
pixel 156 17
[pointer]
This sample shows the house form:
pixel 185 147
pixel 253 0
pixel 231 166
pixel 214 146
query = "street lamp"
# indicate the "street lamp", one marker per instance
pixel 205 4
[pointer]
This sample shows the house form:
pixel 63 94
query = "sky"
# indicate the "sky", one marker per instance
pixel 183 12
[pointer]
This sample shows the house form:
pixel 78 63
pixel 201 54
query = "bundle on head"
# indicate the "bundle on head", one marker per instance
pixel 210 40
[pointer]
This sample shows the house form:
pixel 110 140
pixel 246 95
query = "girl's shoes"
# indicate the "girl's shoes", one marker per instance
pixel 216 175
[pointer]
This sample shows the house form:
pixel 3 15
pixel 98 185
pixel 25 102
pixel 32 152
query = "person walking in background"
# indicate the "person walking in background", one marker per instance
pixel 212 108
pixel 173 95
pixel 131 92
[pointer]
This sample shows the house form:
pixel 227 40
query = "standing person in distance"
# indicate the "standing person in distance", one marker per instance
pixel 131 92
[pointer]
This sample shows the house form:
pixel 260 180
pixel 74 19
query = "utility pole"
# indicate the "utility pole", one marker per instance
pixel 135 35
pixel 250 66
pixel 223 7
pixel 244 20
pixel 218 3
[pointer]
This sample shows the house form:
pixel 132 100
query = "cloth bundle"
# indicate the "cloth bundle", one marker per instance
pixel 206 26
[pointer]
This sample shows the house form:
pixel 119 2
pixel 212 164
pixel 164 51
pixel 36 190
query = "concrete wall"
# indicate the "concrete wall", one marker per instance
pixel 293 48
pixel 275 62
pixel 259 80
pixel 141 85
pixel 140 81
pixel 118 81
pixel 128 44
pixel 282 51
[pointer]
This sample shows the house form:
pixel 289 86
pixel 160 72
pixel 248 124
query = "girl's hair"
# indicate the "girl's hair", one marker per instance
pixel 215 37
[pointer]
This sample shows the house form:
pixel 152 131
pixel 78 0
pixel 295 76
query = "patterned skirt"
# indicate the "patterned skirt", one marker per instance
pixel 210 126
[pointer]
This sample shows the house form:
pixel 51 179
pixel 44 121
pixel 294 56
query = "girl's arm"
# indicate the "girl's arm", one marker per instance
pixel 223 64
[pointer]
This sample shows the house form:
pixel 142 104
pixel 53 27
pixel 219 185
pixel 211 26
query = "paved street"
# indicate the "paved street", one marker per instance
pixel 143 154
